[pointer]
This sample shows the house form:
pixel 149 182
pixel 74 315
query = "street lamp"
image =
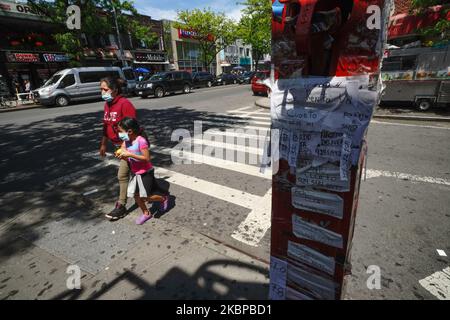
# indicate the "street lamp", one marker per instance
pixel 124 62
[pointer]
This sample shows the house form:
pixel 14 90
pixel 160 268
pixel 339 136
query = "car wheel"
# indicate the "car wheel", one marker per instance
pixel 209 84
pixel 224 83
pixel 159 92
pixel 424 105
pixel 186 88
pixel 235 81
pixel 61 101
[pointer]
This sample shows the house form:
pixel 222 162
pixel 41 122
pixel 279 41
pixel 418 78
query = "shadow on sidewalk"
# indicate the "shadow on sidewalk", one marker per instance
pixel 176 284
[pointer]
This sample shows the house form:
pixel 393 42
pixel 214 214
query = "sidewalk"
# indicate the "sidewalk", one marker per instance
pixel 44 234
pixel 439 115
pixel 20 107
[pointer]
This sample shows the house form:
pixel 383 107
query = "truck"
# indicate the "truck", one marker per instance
pixel 417 76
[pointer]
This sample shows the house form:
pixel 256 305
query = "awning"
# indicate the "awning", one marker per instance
pixel 402 25
pixel 152 62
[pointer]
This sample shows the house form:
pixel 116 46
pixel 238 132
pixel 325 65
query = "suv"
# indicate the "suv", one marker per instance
pixel 202 79
pixel 160 84
pixel 226 78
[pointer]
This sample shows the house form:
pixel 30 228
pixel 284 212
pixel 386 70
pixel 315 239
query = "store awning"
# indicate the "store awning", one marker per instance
pixel 150 62
pixel 402 25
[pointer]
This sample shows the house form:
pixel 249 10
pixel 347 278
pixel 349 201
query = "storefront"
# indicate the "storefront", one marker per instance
pixel 154 61
pixel 16 67
pixel 187 54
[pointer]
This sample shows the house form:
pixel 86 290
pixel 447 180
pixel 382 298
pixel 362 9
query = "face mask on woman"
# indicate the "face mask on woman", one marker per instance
pixel 124 136
pixel 107 97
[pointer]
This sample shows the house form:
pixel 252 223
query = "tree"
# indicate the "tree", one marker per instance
pixel 97 19
pixel 213 31
pixel 439 33
pixel 255 28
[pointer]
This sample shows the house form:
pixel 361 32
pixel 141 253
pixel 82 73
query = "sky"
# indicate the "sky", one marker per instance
pixel 167 9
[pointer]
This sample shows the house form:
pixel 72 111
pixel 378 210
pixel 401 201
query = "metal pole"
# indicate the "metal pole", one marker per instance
pixel 124 62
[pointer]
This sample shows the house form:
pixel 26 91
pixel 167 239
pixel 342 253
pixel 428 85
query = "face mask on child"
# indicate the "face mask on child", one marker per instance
pixel 107 97
pixel 124 136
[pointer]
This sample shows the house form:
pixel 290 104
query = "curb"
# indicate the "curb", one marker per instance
pixel 419 118
pixel 263 103
pixel 19 108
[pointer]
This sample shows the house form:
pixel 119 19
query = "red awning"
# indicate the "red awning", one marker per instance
pixel 402 24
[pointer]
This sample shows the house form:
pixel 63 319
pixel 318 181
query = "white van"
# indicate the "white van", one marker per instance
pixel 75 84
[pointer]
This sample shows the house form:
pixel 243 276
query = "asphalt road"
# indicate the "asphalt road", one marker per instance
pixel 403 215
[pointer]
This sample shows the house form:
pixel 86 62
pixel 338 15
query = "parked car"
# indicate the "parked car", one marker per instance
pixel 258 86
pixel 160 84
pixel 202 79
pixel 75 84
pixel 246 77
pixel 226 78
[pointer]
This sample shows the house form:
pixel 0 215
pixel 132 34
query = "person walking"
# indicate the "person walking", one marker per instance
pixel 142 186
pixel 116 108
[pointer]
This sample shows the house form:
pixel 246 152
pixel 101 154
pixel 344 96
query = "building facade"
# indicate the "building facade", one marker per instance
pixel 185 51
pixel 29 52
pixel 235 56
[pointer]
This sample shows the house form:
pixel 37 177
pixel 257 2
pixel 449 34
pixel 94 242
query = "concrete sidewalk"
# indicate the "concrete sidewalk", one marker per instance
pixel 42 234
pixel 20 107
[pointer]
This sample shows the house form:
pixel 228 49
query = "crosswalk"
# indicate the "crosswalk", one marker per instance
pixel 245 142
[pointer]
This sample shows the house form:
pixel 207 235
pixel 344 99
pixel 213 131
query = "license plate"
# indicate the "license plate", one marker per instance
pixel 140 92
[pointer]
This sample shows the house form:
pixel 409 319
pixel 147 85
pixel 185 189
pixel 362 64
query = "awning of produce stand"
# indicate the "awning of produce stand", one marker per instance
pixel 403 24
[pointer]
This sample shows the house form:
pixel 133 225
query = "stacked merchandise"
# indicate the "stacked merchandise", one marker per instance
pixel 326 56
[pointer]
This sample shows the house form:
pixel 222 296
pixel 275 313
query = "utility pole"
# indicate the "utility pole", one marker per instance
pixel 124 62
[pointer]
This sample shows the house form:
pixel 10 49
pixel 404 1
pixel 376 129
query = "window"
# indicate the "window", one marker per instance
pixel 178 76
pixel 241 51
pixel 89 77
pixel 68 80
pixel 248 52
pixel 401 63
pixel 129 74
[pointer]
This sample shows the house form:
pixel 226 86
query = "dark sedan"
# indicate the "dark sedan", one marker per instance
pixel 226 78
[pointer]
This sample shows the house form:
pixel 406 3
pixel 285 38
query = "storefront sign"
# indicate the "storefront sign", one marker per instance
pixel 53 57
pixel 190 34
pixel 18 8
pixel 150 57
pixel 22 57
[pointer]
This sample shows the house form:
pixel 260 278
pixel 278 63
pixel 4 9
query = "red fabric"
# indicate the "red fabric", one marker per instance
pixel 404 24
pixel 119 108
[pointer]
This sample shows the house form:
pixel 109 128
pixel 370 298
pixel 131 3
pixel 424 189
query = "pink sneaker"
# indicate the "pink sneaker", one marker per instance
pixel 165 204
pixel 143 218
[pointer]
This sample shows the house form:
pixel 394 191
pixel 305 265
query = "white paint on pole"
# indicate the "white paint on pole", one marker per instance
pixel 438 284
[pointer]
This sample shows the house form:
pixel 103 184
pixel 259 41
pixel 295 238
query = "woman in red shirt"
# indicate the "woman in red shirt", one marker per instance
pixel 117 107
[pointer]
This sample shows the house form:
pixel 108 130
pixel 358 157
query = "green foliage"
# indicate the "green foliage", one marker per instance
pixel 255 27
pixel 214 31
pixel 97 18
pixel 438 34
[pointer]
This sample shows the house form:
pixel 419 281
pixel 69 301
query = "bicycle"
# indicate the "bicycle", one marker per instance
pixel 6 102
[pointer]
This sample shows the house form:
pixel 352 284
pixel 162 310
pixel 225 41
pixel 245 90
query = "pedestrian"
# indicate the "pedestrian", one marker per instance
pixel 142 186
pixel 28 89
pixel 116 108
